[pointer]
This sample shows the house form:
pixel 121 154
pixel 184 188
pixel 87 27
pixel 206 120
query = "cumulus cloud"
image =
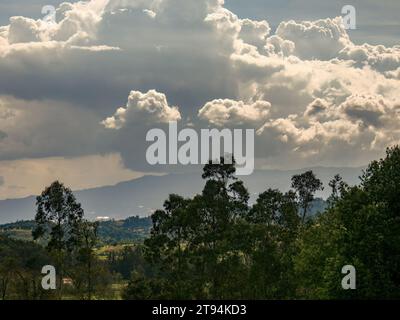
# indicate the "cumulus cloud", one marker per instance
pixel 24 30
pixel 150 107
pixel 379 57
pixel 275 45
pixel 226 112
pixel 70 60
pixel 317 109
pixel 322 39
pixel 369 110
pixel 365 123
pixel 393 74
pixel 313 95
pixel 254 32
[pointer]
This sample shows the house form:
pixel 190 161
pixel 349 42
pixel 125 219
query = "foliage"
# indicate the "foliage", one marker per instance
pixel 130 230
pixel 127 231
pixel 306 185
pixel 20 266
pixel 216 245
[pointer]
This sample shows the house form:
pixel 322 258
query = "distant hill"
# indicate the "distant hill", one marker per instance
pixel 142 196
pixel 110 232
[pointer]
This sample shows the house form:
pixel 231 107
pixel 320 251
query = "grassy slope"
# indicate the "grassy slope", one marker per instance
pixel 111 232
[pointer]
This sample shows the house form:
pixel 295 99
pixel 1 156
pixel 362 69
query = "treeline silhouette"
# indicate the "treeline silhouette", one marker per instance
pixel 217 245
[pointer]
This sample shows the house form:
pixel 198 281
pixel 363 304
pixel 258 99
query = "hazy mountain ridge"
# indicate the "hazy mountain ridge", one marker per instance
pixel 143 195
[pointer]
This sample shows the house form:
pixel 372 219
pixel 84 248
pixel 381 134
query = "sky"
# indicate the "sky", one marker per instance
pixel 378 21
pixel 78 96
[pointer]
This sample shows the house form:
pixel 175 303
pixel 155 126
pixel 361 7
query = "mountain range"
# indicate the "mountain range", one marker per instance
pixel 140 197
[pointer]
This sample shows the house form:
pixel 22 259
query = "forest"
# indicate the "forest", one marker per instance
pixel 217 245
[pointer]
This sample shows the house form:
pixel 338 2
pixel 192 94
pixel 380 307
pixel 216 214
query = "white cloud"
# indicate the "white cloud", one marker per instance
pixel 150 108
pixel 379 57
pixel 393 74
pixel 225 112
pixel 322 39
pixel 254 32
pixel 327 133
pixel 23 30
pixel 313 95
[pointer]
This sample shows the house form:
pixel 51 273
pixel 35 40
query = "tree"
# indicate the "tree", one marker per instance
pixel 223 201
pixel 87 235
pixel 381 183
pixel 194 246
pixel 214 246
pixel 306 185
pixel 361 228
pixel 222 172
pixel 20 266
pixel 167 247
pixel 7 267
pixel 274 221
pixel 57 220
pixel 338 187
pixel 381 180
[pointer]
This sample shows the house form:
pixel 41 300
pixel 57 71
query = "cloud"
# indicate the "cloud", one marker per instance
pixel 381 58
pixel 369 110
pixel 254 32
pixel 312 94
pixel 393 74
pixel 365 123
pixel 225 112
pixel 317 109
pixel 151 107
pixel 321 39
pixel 117 46
pixel 47 128
pixel 23 30
pixel 28 177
